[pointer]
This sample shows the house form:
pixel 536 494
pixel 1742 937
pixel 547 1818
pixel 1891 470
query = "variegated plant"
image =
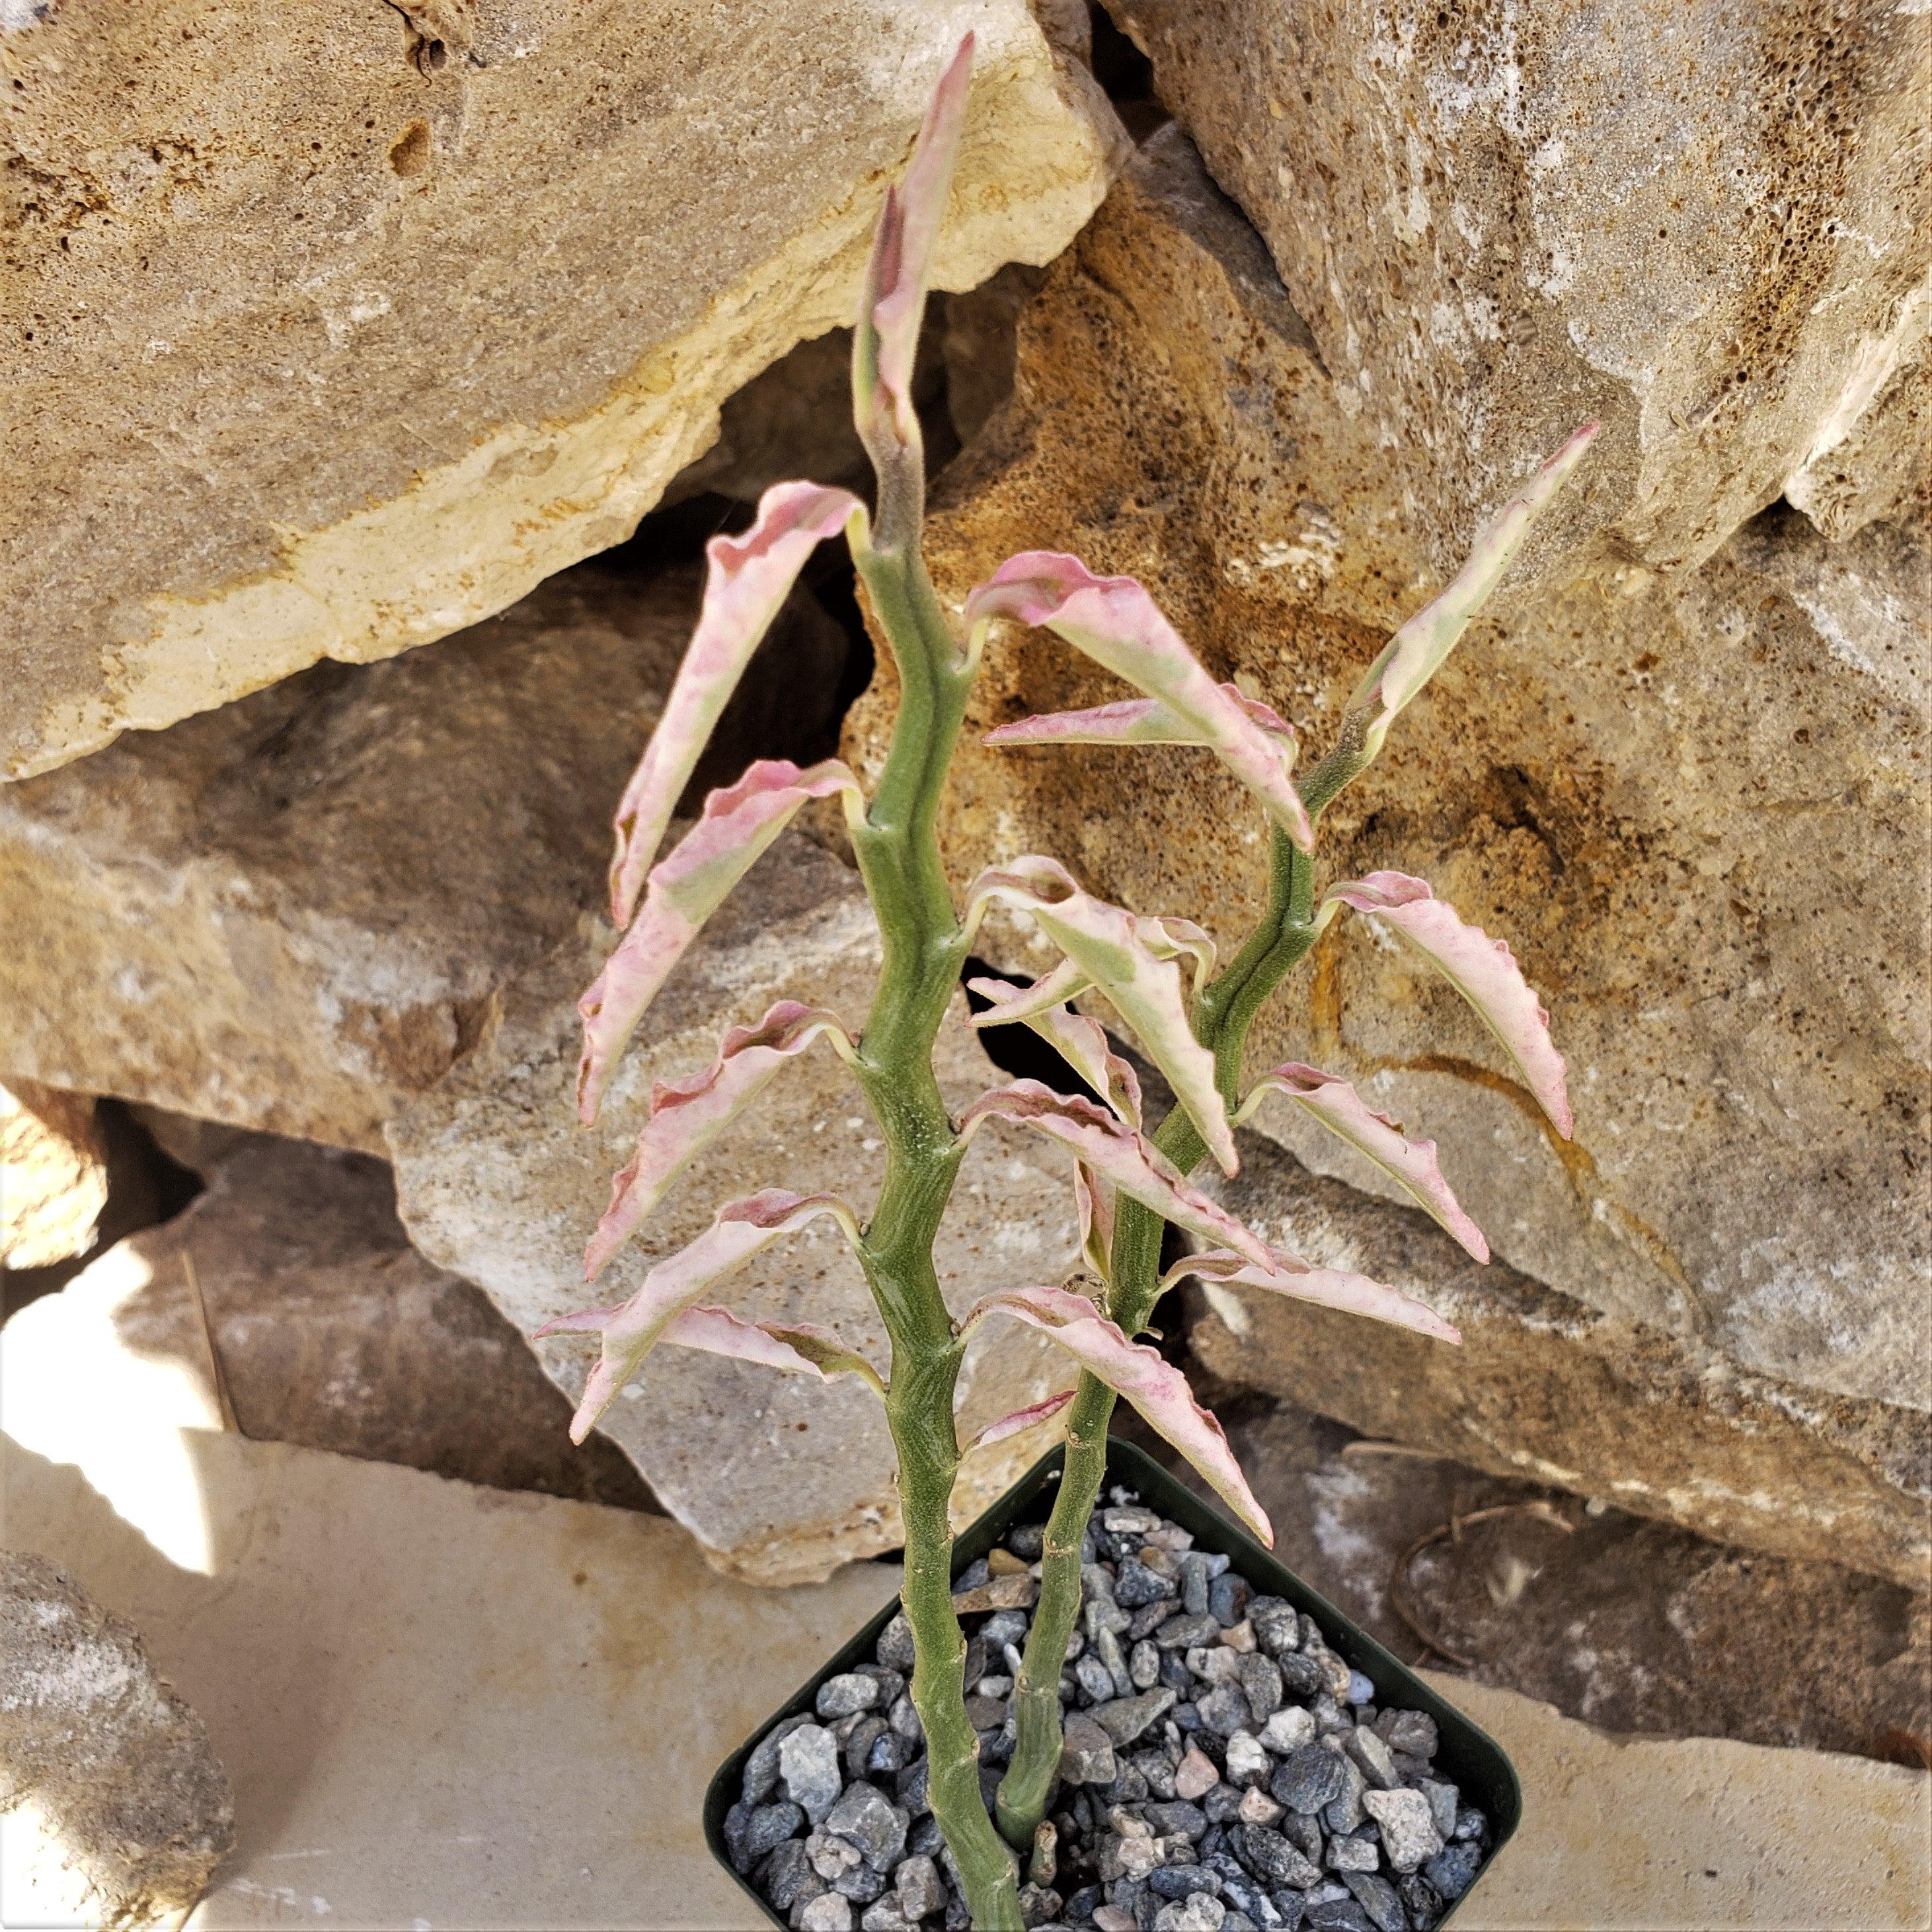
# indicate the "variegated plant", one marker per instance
pixel 1158 976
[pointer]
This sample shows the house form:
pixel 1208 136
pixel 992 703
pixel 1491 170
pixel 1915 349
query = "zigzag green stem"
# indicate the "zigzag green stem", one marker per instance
pixel 1221 1017
pixel 924 950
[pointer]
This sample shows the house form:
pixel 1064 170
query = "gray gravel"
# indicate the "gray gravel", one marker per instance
pixel 1224 1770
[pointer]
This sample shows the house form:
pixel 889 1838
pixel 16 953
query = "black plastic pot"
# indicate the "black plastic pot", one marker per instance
pixel 1469 1756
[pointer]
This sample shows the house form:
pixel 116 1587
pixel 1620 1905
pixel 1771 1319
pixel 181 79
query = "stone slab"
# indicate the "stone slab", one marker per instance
pixel 446 322
pixel 439 1705
pixel 781 1477
pixel 1710 230
pixel 1547 1388
pixel 289 914
pixel 1625 1835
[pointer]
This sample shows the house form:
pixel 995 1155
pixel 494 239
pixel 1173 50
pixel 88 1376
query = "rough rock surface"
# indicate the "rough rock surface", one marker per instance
pixel 781 1477
pixel 53 1174
pixel 118 1768
pixel 1712 229
pixel 1546 1387
pixel 331 1331
pixel 290 914
pixel 1632 1624
pixel 1640 779
pixel 446 322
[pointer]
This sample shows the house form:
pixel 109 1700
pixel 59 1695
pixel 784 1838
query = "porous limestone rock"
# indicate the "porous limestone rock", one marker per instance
pixel 290 914
pixel 1694 802
pixel 330 1330
pixel 1711 228
pixel 128 1794
pixel 53 1174
pixel 338 380
pixel 1547 1387
pixel 781 1477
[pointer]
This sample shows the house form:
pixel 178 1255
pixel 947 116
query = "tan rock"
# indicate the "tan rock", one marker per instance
pixel 1875 463
pixel 329 1329
pixel 1643 780
pixel 1630 1833
pixel 122 1789
pixel 780 1478
pixel 291 915
pixel 1545 1386
pixel 1701 227
pixel 445 322
pixel 53 1174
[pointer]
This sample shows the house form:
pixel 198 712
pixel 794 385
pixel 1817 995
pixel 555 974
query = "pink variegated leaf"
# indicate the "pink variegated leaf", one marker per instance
pixel 1411 1164
pixel 1331 1287
pixel 1021 1005
pixel 1114 1152
pixel 1082 1044
pixel 1417 651
pixel 799 1347
pixel 1482 970
pixel 893 301
pixel 747 580
pixel 685 888
pixel 1132 962
pixel 1155 1387
pixel 1136 721
pixel 1094 1198
pixel 738 1231
pixel 1017 1424
pixel 1116 623
pixel 687 1116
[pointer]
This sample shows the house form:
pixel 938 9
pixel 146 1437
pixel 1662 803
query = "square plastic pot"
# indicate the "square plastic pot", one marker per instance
pixel 1466 1755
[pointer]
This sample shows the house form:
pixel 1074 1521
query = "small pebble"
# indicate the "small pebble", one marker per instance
pixel 1239 1636
pixel 1308 1779
pixel 808 1770
pixel 1379 1900
pixel 1086 1753
pixel 1372 1755
pixel 1111 1919
pixel 1199 1911
pixel 999 1593
pixel 1223 1709
pixel 1127 1718
pixel 1195 1775
pixel 828 1913
pixel 894 1648
pixel 921 1891
pixel 1248 1760
pixel 1288 1730
pixel 1028 1541
pixel 1409 1830
pixel 1347 1853
pixel 1143 1666
pixel 1344 1812
pixel 1269 1856
pixel 1452 1869
pixel 1004 1563
pixel 1258 1808
pixel 1410 1731
pixel 1444 1801
pixel 1360 1690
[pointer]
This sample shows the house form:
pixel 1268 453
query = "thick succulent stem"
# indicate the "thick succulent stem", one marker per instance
pixel 1222 1018
pixel 924 949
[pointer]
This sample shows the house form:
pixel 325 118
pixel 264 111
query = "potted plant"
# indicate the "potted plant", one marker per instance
pixel 1159 976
